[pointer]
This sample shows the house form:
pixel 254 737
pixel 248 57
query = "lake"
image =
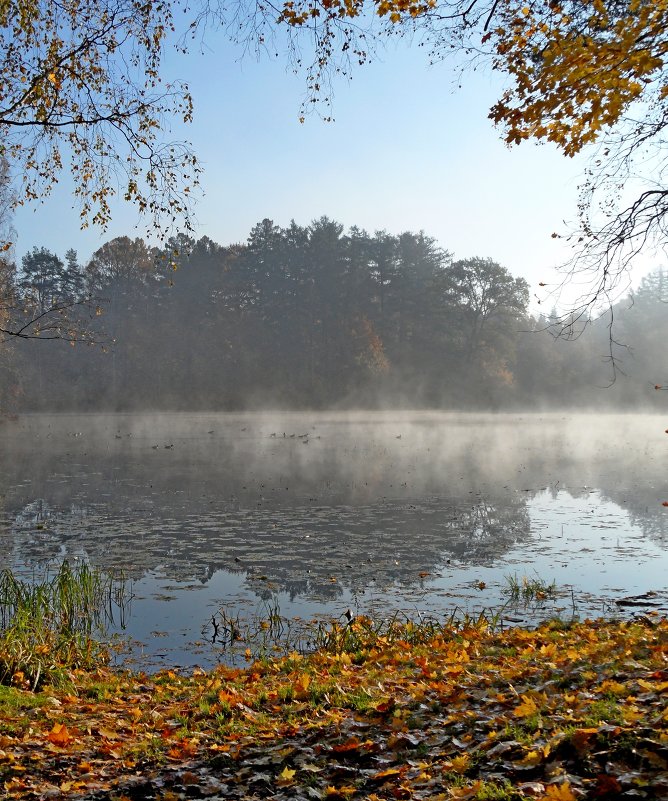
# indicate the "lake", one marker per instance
pixel 222 521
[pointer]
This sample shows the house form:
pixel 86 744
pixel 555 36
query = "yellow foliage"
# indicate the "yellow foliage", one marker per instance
pixel 527 708
pixel 560 792
pixel 460 764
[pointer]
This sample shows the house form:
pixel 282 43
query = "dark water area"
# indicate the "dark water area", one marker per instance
pixel 240 516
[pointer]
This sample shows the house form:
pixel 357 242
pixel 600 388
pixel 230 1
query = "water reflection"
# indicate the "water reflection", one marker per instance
pixel 312 551
pixel 325 510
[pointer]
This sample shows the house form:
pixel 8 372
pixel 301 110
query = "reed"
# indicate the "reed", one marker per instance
pixel 55 625
pixel 361 633
pixel 529 589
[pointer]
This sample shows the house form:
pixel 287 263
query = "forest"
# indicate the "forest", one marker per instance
pixel 312 316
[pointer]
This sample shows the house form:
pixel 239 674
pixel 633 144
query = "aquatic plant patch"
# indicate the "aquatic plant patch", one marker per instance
pixel 559 713
pixel 50 626
pixel 529 588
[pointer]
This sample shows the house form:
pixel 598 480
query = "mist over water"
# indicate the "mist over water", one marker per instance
pixel 319 512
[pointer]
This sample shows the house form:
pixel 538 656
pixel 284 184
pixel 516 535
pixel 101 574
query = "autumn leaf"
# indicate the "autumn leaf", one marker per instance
pixel 559 792
pixel 301 686
pixel 286 776
pixel 465 793
pixel 527 708
pixel 530 760
pixel 384 774
pixel 333 793
pixel 107 734
pixel 581 739
pixel 385 706
pixel 460 763
pixel 59 735
pixel 349 745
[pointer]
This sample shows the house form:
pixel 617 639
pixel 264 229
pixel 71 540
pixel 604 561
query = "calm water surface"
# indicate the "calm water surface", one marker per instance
pixel 235 516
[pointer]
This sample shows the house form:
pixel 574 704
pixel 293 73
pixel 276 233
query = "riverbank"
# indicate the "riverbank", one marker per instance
pixel 562 712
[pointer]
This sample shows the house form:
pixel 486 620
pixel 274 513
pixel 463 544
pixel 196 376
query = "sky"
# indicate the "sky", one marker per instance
pixel 408 151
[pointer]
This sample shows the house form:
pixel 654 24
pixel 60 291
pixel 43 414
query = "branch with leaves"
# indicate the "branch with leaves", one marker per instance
pixel 81 85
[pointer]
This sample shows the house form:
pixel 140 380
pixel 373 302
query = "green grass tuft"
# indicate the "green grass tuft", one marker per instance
pixel 51 627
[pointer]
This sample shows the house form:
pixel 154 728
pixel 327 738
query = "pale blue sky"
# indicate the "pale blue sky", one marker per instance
pixel 408 151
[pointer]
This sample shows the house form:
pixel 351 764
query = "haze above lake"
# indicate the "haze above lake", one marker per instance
pixel 317 513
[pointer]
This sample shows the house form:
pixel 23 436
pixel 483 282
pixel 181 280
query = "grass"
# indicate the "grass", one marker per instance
pixel 529 589
pixel 362 634
pixel 50 627
pixel 605 710
pixel 268 635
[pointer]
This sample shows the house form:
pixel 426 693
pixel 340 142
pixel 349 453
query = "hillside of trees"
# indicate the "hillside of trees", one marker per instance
pixel 314 316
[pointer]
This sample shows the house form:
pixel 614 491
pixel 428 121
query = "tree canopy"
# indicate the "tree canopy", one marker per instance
pixel 312 316
pixel 578 73
pixel 81 83
pixel 81 87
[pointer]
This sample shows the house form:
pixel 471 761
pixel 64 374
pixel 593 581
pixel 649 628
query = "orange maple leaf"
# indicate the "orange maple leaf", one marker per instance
pixel 59 735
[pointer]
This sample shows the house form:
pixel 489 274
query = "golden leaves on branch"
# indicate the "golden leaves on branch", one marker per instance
pixel 299 13
pixel 575 77
pixel 80 83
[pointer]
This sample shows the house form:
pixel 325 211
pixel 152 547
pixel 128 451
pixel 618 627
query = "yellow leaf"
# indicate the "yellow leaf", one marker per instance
pixel 460 763
pixel 531 759
pixel 560 792
pixel 632 713
pixel 286 776
pixel 647 685
pixel 339 792
pixel 526 708
pixel 301 686
pixel 614 687
pixel 384 774
pixel 465 793
pixel 108 734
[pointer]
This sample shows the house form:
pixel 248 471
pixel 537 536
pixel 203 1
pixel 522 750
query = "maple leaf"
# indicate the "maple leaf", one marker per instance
pixel 339 792
pixel 286 776
pixel 59 735
pixel 460 763
pixel 107 734
pixel 527 708
pixel 465 793
pixel 530 760
pixel 384 774
pixel 301 687
pixel 581 739
pixel 559 792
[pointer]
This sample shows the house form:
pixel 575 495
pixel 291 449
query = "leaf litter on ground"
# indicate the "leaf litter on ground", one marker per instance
pixel 560 713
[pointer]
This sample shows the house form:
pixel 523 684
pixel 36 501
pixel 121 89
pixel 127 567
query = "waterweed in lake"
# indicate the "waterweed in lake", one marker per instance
pixel 362 633
pixel 53 625
pixel 529 589
pixel 264 634
pixel 269 634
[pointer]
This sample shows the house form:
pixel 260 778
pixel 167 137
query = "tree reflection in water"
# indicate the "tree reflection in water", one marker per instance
pixel 376 503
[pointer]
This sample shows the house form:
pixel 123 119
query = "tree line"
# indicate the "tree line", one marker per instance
pixel 575 73
pixel 311 316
